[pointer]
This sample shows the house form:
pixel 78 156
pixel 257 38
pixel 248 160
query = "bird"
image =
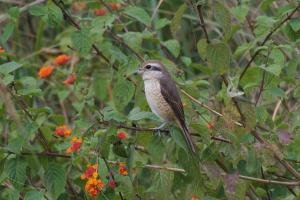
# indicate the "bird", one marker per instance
pixel 163 97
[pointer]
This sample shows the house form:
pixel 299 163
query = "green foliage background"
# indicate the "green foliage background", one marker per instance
pixel 245 69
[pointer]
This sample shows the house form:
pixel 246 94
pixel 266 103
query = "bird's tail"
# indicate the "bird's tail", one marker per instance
pixel 187 137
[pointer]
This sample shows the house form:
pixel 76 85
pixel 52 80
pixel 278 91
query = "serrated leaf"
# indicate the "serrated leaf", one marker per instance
pixel 100 24
pixel 240 12
pixel 160 23
pixel 38 10
pixel 82 41
pixel 177 136
pixel 136 114
pixel 133 40
pixel 123 91
pixel 219 57
pixel 202 48
pixel 295 24
pixel 223 17
pixel 50 14
pixel 111 114
pixel 55 179
pixel 34 195
pixel 7 32
pixel 15 169
pixel 173 46
pixel 175 23
pixel 139 14
pixel 9 67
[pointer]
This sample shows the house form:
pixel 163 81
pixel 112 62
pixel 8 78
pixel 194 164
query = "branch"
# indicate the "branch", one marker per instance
pixel 249 178
pixel 198 10
pixel 288 17
pixel 207 107
pixel 4 17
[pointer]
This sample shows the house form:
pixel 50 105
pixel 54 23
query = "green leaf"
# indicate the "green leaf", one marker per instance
pixel 123 91
pixel 160 23
pixel 38 10
pixel 295 24
pixel 100 24
pixel 219 57
pixel 223 17
pixel 202 48
pixel 7 32
pixel 263 25
pixel 273 69
pixel 240 12
pixel 133 40
pixel 82 41
pixel 173 46
pixel 15 169
pixel 55 179
pixel 34 195
pixel 139 14
pixel 177 136
pixel 111 114
pixel 136 114
pixel 177 18
pixel 9 67
pixel 50 14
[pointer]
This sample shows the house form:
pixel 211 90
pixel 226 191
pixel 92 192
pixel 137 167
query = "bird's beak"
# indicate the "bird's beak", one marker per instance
pixel 139 71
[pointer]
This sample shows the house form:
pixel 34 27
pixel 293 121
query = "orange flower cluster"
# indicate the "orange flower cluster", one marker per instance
pixel 122 169
pixel 63 130
pixel 62 59
pixel 45 71
pixel 94 185
pixel 115 6
pixel 210 125
pixel 99 12
pixel 122 135
pixel 70 80
pixel 77 6
pixel 195 198
pixel 2 50
pixel 75 145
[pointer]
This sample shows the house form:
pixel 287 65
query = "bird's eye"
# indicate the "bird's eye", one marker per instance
pixel 148 67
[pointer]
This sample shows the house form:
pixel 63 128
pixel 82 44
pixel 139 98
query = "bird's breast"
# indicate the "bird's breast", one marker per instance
pixel 156 101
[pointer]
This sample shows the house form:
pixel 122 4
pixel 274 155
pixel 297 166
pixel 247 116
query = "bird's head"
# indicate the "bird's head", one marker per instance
pixel 152 69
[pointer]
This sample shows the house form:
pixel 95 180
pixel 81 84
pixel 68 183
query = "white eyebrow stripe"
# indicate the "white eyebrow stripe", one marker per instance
pixel 154 64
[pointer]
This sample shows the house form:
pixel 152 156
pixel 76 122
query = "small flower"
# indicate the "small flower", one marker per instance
pixel 99 12
pixel 75 145
pixel 122 135
pixel 62 59
pixel 94 186
pixel 77 6
pixel 90 172
pixel 210 125
pixel 115 6
pixel 122 169
pixel 1 50
pixel 112 184
pixel 63 130
pixel 45 71
pixel 70 80
pixel 195 198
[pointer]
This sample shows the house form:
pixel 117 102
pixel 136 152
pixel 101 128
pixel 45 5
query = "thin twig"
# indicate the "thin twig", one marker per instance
pixel 288 17
pixel 4 17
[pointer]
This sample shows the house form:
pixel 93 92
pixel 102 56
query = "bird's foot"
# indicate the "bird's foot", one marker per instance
pixel 158 129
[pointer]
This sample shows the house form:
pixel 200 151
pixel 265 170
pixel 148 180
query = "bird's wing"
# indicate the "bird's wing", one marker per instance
pixel 171 95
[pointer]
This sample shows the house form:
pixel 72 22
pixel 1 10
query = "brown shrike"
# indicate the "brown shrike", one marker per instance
pixel 163 97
